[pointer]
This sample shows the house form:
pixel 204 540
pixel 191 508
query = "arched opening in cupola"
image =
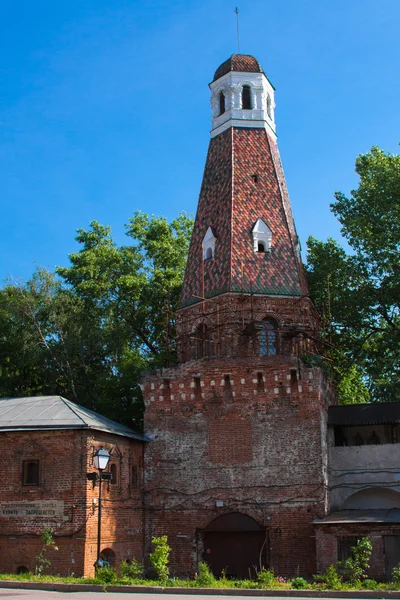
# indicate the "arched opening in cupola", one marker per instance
pixel 221 103
pixel 246 97
pixel 269 106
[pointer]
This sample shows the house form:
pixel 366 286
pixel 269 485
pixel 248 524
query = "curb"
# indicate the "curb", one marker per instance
pixel 81 587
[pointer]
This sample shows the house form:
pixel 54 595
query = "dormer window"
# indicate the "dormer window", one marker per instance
pixel 209 244
pixel 221 103
pixel 262 237
pixel 246 97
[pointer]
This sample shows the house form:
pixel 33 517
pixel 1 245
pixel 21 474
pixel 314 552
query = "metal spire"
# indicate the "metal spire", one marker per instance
pixel 236 11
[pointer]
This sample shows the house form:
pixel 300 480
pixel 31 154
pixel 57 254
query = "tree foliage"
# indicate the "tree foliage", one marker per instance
pixel 86 331
pixel 359 291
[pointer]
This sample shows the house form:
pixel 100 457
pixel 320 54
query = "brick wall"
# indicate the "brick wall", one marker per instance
pixel 328 537
pixel 252 445
pixel 65 458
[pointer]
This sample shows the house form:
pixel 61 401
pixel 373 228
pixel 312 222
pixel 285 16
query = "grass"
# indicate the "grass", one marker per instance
pixel 222 582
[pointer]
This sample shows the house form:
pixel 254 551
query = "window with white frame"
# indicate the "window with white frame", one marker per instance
pixel 262 237
pixel 209 244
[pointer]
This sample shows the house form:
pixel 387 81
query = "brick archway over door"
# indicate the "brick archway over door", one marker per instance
pixel 237 544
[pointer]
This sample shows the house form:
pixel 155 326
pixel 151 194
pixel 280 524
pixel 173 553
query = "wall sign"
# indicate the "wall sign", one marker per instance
pixel 40 508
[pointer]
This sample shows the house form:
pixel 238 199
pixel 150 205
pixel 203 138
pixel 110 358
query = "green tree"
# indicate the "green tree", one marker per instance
pixel 359 291
pixel 87 331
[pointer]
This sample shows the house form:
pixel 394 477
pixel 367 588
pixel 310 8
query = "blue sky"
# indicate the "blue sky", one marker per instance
pixel 104 108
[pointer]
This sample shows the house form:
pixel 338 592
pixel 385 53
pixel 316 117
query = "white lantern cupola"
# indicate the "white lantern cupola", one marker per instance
pixel 242 96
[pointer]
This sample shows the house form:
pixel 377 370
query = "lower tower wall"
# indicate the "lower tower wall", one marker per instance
pixel 235 440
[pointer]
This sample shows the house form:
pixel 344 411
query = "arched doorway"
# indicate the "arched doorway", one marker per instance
pixel 237 544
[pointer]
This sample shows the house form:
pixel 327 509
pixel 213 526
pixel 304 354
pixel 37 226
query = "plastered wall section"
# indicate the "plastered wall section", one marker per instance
pixel 353 468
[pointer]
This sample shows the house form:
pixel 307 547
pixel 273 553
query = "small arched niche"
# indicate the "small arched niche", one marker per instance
pixel 21 569
pixel 373 498
pixel 109 555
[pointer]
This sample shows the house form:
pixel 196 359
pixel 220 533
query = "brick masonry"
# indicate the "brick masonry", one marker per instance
pixel 258 448
pixel 65 458
pixel 327 537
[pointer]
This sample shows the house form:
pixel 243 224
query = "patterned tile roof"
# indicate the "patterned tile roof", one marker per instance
pixel 238 62
pixel 243 181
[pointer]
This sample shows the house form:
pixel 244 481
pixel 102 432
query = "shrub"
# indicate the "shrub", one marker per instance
pixel 266 578
pixel 48 544
pixel 396 575
pixel 298 583
pixel 205 578
pixel 330 580
pixel 370 584
pixel 160 557
pixel 355 566
pixel 131 570
pixel 106 575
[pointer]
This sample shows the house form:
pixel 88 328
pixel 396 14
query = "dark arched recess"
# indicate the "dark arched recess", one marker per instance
pixel 236 544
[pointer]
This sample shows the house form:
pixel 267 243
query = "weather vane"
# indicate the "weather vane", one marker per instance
pixel 236 11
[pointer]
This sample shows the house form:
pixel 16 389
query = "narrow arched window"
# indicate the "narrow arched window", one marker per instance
pixel 114 476
pixel 203 342
pixel 221 103
pixel 209 253
pixel 267 339
pixel 269 106
pixel 246 97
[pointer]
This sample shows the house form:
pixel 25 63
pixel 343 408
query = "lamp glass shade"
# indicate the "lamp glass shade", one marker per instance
pixel 101 458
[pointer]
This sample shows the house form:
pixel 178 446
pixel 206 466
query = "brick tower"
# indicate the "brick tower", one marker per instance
pixel 236 471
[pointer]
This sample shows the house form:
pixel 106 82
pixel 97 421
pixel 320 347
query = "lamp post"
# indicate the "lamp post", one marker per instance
pixel 100 462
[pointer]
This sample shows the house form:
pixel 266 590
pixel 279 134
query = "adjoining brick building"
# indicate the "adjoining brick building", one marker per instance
pixel 47 446
pixel 237 468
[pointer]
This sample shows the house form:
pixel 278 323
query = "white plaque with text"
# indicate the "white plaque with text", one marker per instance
pixel 39 508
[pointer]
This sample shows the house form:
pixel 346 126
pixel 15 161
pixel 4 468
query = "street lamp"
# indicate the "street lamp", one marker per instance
pixel 100 462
